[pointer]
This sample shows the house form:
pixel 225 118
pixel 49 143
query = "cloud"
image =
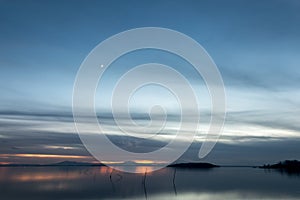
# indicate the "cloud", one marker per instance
pixel 285 121
pixel 266 76
pixel 54 133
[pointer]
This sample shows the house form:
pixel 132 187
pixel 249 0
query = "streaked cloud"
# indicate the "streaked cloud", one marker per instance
pixel 39 138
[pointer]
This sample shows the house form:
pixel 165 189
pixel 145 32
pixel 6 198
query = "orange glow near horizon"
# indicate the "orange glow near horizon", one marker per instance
pixel 143 169
pixel 43 156
pixel 143 161
pixel 59 156
pixel 148 162
pixel 106 170
pixel 112 162
pixel 5 163
pixel 135 161
pixel 41 176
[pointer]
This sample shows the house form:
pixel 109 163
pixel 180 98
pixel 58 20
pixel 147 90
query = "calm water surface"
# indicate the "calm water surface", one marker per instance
pixel 87 183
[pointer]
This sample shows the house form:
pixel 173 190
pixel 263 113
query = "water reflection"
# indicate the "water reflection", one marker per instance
pixel 285 172
pixel 106 183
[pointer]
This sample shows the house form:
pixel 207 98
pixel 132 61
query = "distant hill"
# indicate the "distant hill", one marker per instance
pixel 292 165
pixel 194 165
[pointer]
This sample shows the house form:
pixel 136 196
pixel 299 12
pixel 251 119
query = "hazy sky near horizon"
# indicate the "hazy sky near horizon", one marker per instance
pixel 255 44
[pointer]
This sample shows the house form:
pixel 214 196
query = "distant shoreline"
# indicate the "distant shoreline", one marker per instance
pixel 292 165
pixel 284 165
pixel 79 164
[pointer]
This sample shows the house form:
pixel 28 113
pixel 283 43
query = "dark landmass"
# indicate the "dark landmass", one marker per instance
pixel 194 165
pixel 288 164
pixel 289 167
pixel 64 163
pixel 71 163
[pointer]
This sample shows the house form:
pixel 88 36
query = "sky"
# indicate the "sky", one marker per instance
pixel 255 44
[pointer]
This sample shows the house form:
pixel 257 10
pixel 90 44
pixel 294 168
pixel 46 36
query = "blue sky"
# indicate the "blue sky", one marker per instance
pixel 255 44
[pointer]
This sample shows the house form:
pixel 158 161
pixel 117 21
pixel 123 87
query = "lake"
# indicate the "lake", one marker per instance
pixel 87 183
